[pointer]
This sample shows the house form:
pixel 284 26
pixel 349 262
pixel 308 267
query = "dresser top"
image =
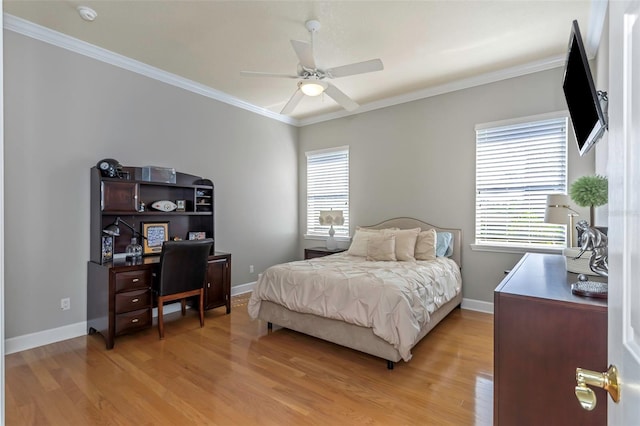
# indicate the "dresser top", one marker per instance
pixel 545 276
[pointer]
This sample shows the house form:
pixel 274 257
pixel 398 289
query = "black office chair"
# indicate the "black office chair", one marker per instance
pixel 183 269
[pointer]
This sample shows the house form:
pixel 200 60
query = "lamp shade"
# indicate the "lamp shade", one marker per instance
pixel 313 87
pixel 331 217
pixel 112 230
pixel 557 209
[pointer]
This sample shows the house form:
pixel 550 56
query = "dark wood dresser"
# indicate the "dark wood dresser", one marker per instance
pixel 542 332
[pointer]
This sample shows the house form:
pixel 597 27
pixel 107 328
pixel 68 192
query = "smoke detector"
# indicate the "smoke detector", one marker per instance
pixel 87 13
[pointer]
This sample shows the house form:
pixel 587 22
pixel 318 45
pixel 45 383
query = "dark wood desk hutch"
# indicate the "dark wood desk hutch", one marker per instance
pixel 119 291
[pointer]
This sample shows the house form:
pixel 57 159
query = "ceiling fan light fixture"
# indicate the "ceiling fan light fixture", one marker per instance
pixel 313 87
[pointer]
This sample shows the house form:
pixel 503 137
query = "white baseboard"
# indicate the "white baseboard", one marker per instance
pixel 40 338
pixel 477 305
pixel 53 335
pixel 45 337
pixel 242 288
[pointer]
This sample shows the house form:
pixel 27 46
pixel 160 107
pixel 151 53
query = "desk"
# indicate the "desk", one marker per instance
pixel 120 299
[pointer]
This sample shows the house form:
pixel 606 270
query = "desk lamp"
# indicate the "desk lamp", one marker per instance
pixel 132 250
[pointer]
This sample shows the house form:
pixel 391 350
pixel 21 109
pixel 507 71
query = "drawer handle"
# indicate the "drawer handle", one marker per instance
pixel 208 285
pixel 135 300
pixel 135 320
pixel 135 280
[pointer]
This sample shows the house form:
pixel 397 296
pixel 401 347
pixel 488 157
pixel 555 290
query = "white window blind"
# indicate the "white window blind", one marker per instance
pixel 327 189
pixel 517 166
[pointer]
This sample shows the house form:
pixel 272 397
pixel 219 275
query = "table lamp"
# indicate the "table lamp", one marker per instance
pixel 557 211
pixel 331 217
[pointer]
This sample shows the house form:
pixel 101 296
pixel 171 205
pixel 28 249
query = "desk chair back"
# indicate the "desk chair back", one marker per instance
pixel 183 269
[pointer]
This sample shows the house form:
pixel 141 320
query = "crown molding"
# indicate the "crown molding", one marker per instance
pixel 29 29
pixel 38 32
pixel 466 83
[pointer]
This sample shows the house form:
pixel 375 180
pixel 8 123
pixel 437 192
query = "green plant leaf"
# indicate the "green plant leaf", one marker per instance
pixel 590 191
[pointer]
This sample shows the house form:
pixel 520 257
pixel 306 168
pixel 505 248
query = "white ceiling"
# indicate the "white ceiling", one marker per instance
pixel 426 46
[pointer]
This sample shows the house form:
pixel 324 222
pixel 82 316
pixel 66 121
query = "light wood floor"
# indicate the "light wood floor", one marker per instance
pixel 232 372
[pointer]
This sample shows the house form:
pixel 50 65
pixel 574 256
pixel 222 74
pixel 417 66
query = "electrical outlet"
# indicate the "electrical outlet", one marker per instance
pixel 251 269
pixel 65 304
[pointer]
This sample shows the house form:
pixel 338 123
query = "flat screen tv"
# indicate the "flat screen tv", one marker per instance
pixel 589 123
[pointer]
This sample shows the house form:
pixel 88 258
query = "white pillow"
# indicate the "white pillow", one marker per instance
pixel 381 246
pixel 426 245
pixel 405 243
pixel 359 241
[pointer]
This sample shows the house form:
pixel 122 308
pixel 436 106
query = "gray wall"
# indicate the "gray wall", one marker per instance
pixel 64 112
pixel 418 159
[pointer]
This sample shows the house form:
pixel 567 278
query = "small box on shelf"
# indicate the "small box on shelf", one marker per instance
pixel 159 174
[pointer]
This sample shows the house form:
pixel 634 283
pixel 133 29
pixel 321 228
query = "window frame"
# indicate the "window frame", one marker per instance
pixel 518 247
pixel 319 232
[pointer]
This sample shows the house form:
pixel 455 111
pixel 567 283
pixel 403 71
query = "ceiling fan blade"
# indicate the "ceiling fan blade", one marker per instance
pixel 266 74
pixel 304 52
pixel 357 68
pixel 293 102
pixel 337 95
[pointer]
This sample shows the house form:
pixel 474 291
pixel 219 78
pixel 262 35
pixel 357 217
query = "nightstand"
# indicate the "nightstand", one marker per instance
pixel 310 253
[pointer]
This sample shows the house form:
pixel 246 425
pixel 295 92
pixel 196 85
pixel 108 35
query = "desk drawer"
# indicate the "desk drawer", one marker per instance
pixel 133 320
pixel 133 300
pixel 132 280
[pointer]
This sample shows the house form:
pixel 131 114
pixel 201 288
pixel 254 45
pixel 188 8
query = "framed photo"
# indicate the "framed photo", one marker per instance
pixel 156 233
pixel 197 235
pixel 107 249
pixel 181 205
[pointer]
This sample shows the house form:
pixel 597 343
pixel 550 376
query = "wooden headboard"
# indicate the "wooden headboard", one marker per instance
pixel 410 223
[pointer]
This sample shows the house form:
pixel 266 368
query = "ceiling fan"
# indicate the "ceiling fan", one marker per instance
pixel 313 79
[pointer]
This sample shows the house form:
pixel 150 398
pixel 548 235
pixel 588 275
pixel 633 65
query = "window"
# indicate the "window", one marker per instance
pixel 327 189
pixel 518 163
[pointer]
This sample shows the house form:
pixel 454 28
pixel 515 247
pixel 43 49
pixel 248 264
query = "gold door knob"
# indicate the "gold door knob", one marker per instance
pixel 607 380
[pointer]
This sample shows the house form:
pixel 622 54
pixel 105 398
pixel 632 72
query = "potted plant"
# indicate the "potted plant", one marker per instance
pixel 590 191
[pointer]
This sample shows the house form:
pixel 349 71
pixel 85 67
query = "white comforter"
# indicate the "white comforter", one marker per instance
pixel 394 299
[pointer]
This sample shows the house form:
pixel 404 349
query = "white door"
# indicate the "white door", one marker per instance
pixel 1 221
pixel 624 207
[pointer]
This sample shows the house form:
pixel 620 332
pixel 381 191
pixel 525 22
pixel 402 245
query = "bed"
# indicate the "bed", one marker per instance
pixel 380 307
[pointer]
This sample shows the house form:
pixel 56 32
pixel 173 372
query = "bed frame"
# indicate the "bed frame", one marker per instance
pixel 354 336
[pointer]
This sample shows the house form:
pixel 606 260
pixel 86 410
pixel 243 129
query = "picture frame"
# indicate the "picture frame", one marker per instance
pixel 198 235
pixel 155 234
pixel 180 205
pixel 106 254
